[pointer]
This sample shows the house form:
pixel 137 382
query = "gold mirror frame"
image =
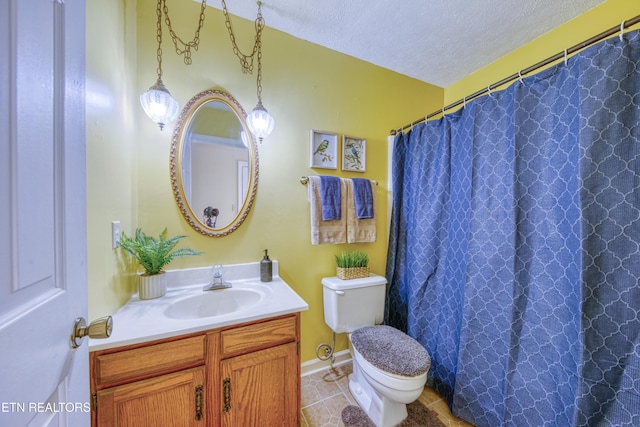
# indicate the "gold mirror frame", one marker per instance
pixel 177 144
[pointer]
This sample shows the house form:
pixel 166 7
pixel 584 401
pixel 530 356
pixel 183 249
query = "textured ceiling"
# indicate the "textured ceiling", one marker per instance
pixel 436 41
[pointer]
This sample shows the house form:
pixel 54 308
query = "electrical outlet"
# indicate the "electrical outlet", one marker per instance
pixel 115 234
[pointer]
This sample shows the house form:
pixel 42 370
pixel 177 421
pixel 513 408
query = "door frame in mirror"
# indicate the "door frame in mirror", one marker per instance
pixel 177 145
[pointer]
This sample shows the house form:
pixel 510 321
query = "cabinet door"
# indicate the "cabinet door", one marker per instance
pixel 261 388
pixel 169 400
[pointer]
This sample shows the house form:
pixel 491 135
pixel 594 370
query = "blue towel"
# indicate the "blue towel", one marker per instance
pixel 330 197
pixel 363 198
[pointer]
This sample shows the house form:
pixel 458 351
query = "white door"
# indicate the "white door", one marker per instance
pixel 43 288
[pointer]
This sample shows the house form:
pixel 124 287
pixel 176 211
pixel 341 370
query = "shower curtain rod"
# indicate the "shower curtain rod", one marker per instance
pixel 522 73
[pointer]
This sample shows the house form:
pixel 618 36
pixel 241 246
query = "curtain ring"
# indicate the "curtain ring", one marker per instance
pixel 489 90
pixel 565 57
pixel 443 112
pixel 464 101
pixel 621 30
pixel 520 76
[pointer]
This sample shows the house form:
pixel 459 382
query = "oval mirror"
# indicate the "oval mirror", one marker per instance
pixel 214 164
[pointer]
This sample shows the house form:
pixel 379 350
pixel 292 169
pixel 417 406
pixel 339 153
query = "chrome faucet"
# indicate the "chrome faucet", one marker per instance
pixel 217 282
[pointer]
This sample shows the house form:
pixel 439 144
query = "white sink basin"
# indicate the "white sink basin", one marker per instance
pixel 187 309
pixel 215 303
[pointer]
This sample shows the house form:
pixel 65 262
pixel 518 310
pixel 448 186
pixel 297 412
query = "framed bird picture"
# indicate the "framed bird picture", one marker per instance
pixel 354 154
pixel 323 150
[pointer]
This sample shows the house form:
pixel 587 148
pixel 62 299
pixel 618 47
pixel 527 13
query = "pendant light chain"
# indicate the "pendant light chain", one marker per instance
pixel 182 48
pixel 159 38
pixel 259 47
pixel 259 121
pixel 157 101
pixel 246 61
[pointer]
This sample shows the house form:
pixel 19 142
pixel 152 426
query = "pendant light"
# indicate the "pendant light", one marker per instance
pixel 259 121
pixel 159 105
pixel 157 102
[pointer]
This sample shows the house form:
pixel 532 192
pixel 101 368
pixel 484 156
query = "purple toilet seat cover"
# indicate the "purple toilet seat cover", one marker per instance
pixel 391 350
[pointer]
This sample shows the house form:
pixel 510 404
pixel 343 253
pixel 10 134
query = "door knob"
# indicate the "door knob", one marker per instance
pixel 99 328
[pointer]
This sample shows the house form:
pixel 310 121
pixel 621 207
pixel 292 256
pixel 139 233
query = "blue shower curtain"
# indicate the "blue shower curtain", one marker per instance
pixel 514 250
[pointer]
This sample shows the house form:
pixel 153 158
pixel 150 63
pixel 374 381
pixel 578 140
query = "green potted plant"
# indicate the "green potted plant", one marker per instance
pixel 352 265
pixel 153 255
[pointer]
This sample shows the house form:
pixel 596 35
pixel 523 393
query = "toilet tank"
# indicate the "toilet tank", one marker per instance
pixel 352 304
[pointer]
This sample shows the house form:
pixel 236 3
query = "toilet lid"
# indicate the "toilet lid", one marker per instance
pixel 391 350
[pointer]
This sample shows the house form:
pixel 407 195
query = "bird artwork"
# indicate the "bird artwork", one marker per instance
pixel 322 152
pixel 322 147
pixel 353 154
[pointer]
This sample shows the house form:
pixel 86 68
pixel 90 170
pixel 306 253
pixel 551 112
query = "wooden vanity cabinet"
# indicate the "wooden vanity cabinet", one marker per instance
pixel 260 380
pixel 242 375
pixel 150 384
pixel 259 389
pixel 167 400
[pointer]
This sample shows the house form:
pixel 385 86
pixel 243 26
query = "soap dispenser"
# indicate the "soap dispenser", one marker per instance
pixel 266 271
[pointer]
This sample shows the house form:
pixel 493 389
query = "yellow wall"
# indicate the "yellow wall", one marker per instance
pixel 607 15
pixel 111 147
pixel 305 87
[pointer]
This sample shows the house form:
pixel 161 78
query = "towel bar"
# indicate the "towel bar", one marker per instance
pixel 305 179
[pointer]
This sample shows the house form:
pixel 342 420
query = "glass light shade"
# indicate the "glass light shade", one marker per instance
pixel 159 105
pixel 260 122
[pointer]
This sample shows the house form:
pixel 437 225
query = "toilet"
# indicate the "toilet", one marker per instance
pixel 389 367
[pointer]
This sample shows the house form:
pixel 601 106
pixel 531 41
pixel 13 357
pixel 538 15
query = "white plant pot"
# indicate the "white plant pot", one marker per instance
pixel 150 287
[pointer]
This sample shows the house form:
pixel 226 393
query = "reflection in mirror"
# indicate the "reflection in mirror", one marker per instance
pixel 214 164
pixel 213 158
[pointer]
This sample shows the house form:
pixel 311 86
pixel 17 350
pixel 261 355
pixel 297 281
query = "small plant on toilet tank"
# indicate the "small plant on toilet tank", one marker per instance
pixel 153 254
pixel 352 265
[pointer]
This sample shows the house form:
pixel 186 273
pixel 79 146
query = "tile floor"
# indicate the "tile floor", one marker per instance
pixel 326 393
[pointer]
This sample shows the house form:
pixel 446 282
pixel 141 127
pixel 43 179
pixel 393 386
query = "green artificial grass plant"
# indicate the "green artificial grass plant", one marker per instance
pixel 352 259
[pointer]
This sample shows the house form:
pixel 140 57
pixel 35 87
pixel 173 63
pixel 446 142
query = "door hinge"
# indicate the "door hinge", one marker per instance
pixel 94 401
pixel 199 402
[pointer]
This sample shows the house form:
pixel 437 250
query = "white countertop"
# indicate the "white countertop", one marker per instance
pixel 145 320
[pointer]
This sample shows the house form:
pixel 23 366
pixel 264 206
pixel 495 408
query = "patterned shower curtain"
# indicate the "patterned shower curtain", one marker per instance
pixel 514 251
